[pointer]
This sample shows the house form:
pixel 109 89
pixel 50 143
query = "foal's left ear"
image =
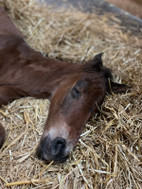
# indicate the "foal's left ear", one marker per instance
pixel 119 88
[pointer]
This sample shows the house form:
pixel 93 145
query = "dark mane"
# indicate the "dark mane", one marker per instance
pixel 107 73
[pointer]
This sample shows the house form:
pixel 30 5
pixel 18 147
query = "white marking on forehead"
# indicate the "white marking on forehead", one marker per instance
pixel 61 130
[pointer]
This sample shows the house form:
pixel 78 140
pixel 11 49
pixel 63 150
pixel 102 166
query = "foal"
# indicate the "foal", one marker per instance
pixel 75 90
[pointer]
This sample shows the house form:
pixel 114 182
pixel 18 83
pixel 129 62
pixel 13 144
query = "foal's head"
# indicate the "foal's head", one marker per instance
pixel 73 103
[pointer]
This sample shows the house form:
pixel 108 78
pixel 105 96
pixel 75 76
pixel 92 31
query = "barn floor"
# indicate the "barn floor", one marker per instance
pixel 109 152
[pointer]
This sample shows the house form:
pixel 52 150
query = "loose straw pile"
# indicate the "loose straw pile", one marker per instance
pixel 109 152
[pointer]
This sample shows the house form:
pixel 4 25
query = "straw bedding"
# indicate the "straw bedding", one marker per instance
pixel 109 152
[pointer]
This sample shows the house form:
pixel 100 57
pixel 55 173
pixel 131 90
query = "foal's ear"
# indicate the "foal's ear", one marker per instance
pixel 97 60
pixel 119 88
pixel 95 64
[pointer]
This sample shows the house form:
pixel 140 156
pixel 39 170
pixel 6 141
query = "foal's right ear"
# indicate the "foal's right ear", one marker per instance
pixel 119 88
pixel 95 64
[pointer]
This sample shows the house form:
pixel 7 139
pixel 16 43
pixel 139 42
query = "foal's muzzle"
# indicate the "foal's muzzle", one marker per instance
pixel 52 150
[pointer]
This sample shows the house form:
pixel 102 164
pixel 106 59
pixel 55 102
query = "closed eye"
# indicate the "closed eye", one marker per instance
pixel 75 93
pixel 79 88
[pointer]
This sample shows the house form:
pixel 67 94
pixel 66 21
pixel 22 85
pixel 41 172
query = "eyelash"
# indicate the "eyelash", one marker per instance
pixel 75 92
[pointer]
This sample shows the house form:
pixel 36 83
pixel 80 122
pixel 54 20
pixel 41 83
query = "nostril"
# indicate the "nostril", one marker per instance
pixel 58 146
pixel 52 150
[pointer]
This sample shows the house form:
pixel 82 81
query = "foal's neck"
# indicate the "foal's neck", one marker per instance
pixel 44 75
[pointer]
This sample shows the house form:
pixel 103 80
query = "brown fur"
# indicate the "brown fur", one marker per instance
pixel 75 90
